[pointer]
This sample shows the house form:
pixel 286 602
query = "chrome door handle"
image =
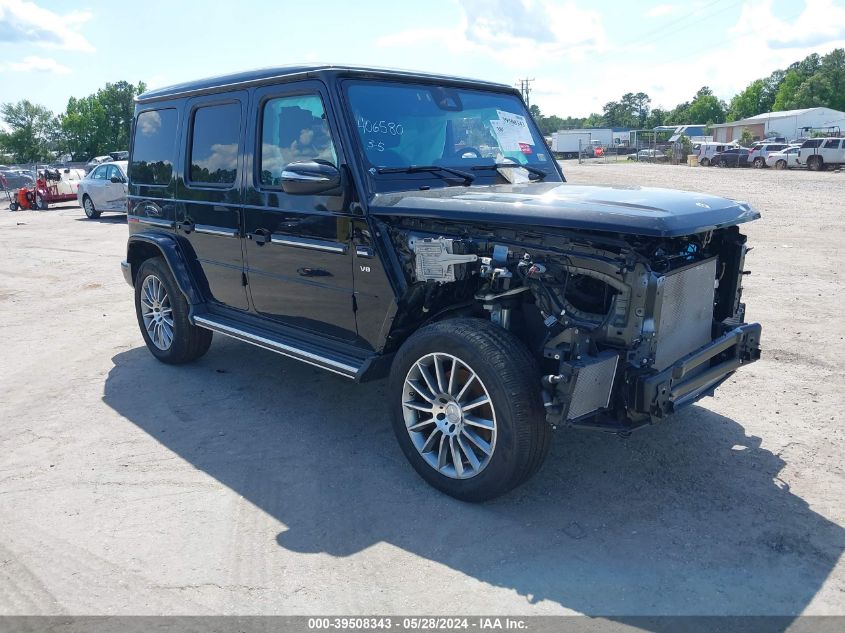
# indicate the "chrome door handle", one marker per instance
pixel 364 251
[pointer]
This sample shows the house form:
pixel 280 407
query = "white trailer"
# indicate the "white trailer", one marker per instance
pixel 567 143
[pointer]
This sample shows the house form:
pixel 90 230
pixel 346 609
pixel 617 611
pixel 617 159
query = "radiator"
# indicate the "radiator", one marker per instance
pixel 685 321
pixel 593 384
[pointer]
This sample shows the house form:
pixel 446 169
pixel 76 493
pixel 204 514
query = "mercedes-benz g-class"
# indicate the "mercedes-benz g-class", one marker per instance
pixel 381 223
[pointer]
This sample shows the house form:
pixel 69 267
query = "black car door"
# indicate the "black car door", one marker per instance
pixel 298 248
pixel 209 213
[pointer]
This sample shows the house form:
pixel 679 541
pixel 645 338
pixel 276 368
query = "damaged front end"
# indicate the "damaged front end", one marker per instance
pixel 626 329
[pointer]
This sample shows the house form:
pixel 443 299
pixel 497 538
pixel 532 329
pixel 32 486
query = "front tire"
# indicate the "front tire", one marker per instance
pixel 466 408
pixel 88 205
pixel 162 313
pixel 40 203
pixel 758 163
pixel 705 162
pixel 814 163
pixel 781 164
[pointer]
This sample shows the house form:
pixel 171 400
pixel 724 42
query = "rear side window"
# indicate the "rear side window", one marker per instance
pixel 153 147
pixel 832 144
pixel 214 144
pixel 293 129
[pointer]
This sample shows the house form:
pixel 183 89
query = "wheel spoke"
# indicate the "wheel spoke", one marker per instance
pixel 452 376
pixel 460 395
pixel 417 406
pixel 430 442
pixel 475 403
pixel 442 453
pixel 475 439
pixel 456 457
pixel 438 372
pixel 421 425
pixel 427 378
pixel 470 454
pixel 481 423
pixel 421 391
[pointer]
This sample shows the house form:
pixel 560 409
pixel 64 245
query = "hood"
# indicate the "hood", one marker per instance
pixel 634 210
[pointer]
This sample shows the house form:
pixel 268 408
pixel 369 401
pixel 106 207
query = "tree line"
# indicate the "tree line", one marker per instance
pixel 815 81
pixel 100 123
pixel 89 126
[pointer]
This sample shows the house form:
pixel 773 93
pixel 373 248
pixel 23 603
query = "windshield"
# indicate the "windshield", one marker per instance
pixel 402 125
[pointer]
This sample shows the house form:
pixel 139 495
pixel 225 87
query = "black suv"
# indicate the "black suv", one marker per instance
pixel 379 223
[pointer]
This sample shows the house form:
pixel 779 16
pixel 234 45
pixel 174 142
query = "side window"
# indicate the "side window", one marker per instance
pixel 832 144
pixel 153 147
pixel 293 129
pixel 215 140
pixel 99 174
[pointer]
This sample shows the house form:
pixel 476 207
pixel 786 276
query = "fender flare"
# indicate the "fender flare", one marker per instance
pixel 139 249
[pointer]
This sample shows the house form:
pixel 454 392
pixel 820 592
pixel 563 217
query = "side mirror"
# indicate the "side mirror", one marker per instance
pixel 116 179
pixel 311 177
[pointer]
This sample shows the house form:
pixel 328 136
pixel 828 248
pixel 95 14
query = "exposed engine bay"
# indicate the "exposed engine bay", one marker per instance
pixel 625 328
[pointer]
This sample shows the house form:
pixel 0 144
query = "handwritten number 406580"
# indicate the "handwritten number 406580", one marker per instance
pixel 380 127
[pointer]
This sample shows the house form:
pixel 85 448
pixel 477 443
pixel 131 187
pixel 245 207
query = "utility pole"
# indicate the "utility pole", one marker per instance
pixel 525 89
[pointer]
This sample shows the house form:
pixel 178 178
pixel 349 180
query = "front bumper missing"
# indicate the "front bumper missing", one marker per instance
pixel 698 373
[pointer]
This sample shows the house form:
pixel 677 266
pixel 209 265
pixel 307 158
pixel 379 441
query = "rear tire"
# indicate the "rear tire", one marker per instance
pixel 814 163
pixel 723 163
pixel 781 164
pixel 758 163
pixel 40 203
pixel 88 206
pixel 13 206
pixel 162 313
pixel 705 162
pixel 500 440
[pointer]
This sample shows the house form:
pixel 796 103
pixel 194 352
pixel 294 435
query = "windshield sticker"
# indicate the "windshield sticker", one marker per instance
pixel 525 148
pixel 517 125
pixel 508 141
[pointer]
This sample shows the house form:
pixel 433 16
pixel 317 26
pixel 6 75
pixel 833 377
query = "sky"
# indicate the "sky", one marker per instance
pixel 580 53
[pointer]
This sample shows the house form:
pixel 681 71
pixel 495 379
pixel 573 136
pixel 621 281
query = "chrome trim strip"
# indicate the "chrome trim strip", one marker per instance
pixel 304 242
pixel 280 348
pixel 167 224
pixel 208 229
pixel 294 175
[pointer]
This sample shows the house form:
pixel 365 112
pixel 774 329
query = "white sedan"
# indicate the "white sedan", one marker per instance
pixel 784 159
pixel 104 189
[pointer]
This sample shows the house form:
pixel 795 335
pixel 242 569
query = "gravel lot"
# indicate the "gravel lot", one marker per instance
pixel 249 483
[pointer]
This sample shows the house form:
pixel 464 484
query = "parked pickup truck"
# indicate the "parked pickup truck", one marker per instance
pixel 377 223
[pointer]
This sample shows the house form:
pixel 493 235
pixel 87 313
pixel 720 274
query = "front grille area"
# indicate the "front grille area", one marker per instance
pixel 686 315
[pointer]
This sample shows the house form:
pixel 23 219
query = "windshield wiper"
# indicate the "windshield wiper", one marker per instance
pixel 533 170
pixel 434 169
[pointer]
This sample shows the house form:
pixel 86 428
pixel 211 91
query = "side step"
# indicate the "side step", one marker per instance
pixel 306 351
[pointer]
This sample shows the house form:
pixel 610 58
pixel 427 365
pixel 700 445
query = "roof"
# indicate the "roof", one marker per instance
pixel 765 116
pixel 249 78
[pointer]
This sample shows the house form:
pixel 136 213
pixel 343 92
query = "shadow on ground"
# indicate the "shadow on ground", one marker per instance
pixel 684 518
pixel 119 218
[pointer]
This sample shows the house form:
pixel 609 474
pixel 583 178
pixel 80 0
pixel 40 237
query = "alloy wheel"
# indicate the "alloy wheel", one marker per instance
pixel 157 312
pixel 449 415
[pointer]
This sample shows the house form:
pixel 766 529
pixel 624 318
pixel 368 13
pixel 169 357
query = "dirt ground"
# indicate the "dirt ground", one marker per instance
pixel 249 483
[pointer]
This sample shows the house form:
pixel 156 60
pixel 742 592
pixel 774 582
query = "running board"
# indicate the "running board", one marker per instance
pixel 305 351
